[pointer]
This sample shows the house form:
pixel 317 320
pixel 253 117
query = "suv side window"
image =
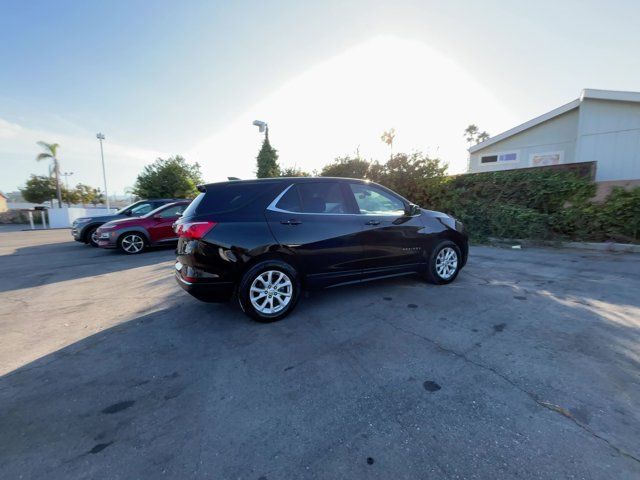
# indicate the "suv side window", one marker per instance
pixel 172 211
pixel 290 201
pixel 323 197
pixel 375 201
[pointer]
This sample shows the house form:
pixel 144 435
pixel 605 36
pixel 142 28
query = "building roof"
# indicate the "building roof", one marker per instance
pixel 586 93
pixel 4 196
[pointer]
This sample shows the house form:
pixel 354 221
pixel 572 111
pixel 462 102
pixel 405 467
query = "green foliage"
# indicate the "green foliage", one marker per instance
pixel 535 204
pixel 617 218
pixel 39 189
pixel 267 161
pixel 168 178
pixel 347 167
pixel 293 172
pixel 407 174
pixel 87 194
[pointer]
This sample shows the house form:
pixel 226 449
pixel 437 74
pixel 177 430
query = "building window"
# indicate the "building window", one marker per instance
pixel 499 158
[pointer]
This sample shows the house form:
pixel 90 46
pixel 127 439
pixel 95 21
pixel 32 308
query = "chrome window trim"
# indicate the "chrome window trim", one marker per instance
pixel 272 207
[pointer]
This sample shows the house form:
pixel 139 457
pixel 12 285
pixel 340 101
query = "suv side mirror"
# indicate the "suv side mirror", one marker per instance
pixel 412 210
pixel 158 216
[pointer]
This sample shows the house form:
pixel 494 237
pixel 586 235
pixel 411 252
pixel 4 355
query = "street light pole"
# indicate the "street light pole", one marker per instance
pixel 101 137
pixel 66 176
pixel 263 127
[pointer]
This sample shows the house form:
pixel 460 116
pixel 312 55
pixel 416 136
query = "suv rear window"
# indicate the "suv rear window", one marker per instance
pixel 320 197
pixel 227 197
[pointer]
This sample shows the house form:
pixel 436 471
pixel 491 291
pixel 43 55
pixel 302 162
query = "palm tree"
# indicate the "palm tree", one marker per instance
pixel 387 137
pixel 50 152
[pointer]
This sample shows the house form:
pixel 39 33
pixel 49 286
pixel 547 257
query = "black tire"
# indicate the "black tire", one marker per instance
pixel 435 273
pixel 89 238
pixel 251 276
pixel 132 243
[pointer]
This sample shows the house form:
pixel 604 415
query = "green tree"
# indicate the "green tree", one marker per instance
pixel 39 189
pixel 70 196
pixel 347 167
pixel 96 196
pixel 407 174
pixel 168 178
pixel 267 161
pixel 51 152
pixel 294 172
pixel 85 193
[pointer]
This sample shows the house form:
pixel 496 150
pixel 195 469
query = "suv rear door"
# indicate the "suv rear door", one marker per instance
pixel 317 222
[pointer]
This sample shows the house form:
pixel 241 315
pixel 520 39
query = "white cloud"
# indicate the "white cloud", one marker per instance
pixel 8 129
pixel 347 102
pixel 77 154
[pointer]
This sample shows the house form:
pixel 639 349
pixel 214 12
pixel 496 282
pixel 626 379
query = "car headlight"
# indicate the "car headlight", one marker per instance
pixel 81 220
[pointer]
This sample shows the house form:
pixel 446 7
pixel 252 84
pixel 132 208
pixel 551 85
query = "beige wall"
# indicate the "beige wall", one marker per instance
pixel 3 204
pixel 555 135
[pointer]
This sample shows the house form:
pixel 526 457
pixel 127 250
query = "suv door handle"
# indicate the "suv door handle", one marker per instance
pixel 293 221
pixel 373 222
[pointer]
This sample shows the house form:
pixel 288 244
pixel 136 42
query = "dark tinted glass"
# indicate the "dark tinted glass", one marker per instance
pixel 290 201
pixel 227 197
pixel 191 209
pixel 489 159
pixel 322 197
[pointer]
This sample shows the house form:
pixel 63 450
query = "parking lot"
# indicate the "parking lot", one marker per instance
pixel 527 366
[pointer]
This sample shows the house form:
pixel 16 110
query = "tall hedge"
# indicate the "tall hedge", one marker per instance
pixel 535 204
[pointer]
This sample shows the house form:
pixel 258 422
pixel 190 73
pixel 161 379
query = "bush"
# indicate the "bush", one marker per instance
pixel 534 204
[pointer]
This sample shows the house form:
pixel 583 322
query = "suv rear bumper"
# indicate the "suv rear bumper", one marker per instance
pixel 207 291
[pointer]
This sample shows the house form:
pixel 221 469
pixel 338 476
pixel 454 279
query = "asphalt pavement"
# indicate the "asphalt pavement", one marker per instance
pixel 526 367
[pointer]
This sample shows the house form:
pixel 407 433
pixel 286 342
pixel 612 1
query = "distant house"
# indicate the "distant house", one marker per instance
pixel 601 126
pixel 3 203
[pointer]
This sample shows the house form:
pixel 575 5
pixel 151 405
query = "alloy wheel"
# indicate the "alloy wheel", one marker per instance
pixel 132 243
pixel 271 292
pixel 446 263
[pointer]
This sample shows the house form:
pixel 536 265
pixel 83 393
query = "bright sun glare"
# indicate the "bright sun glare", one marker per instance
pixel 346 102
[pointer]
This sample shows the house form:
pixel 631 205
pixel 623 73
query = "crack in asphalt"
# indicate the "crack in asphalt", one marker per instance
pixel 539 401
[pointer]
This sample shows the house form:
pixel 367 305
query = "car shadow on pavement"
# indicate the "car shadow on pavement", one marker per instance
pixel 37 265
pixel 197 390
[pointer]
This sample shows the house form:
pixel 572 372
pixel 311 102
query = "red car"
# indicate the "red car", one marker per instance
pixel 133 235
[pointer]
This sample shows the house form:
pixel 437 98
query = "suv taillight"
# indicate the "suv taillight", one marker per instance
pixel 194 230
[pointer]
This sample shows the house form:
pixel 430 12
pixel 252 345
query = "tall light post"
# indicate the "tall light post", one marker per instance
pixel 101 137
pixel 66 176
pixel 263 127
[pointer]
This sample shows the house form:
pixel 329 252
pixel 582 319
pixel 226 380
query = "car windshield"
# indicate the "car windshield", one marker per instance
pixel 124 210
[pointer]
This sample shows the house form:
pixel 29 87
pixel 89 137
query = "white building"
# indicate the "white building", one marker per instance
pixel 601 126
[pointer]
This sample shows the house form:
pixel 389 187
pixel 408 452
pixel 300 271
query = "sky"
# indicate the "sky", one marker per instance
pixel 162 78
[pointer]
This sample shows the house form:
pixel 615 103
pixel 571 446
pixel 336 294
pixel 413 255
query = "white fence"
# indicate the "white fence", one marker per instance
pixel 63 217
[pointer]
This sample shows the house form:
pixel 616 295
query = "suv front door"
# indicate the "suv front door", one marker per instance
pixel 392 241
pixel 316 221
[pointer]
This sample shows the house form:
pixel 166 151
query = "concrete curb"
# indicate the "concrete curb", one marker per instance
pixel 596 246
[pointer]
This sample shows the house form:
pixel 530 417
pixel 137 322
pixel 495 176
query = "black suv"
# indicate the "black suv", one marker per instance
pixel 266 239
pixel 84 229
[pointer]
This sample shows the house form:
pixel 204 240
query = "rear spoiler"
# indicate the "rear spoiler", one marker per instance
pixel 203 188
